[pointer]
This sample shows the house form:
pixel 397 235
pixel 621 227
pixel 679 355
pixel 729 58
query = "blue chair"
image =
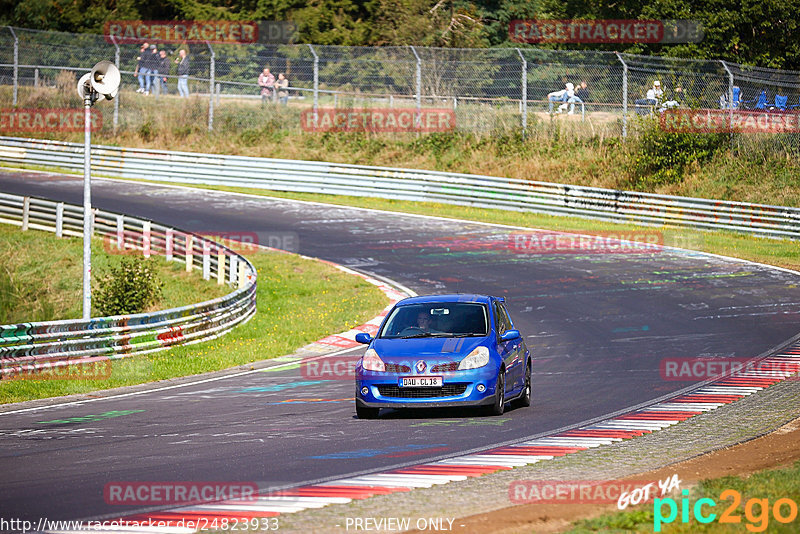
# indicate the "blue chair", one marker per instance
pixel 780 102
pixel 735 103
pixel 760 102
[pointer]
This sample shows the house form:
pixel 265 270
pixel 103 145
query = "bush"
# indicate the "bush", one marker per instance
pixel 129 288
pixel 659 157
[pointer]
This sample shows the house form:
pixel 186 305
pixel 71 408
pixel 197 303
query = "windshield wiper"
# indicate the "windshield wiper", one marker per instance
pixel 428 334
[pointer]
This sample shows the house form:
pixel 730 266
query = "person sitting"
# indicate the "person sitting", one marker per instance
pixel 651 100
pixel 677 100
pixel 561 96
pixel 580 96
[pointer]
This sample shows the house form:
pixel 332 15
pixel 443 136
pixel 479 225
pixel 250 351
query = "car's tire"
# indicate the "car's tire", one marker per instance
pixel 363 412
pixel 499 405
pixel 525 398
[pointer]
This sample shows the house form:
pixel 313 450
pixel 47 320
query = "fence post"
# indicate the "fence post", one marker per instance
pixel 120 232
pixel 730 98
pixel 524 93
pixel 211 64
pixel 189 252
pixel 418 118
pixel 36 77
pixel 233 269
pixel 219 93
pixel 220 266
pixel 624 96
pixel 242 275
pixel 60 219
pixel 16 65
pixel 206 260
pixel 26 212
pixel 169 245
pixel 316 84
pixel 116 98
pixel 146 239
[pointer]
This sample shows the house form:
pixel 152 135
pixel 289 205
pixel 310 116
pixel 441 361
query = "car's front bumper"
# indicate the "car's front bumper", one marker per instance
pixel 383 390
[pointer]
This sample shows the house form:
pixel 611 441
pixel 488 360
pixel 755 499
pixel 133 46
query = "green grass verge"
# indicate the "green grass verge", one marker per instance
pixel 41 277
pixel 299 301
pixel 770 485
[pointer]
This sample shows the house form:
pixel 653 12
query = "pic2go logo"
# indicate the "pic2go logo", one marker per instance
pixel 756 511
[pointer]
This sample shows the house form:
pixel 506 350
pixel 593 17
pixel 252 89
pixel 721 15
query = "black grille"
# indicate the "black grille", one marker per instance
pixel 447 390
pixel 397 368
pixel 445 367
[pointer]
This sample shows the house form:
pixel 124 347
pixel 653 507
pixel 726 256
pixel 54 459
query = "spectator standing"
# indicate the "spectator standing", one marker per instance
pixel 164 70
pixel 142 70
pixel 152 62
pixel 183 73
pixel 282 87
pixel 267 82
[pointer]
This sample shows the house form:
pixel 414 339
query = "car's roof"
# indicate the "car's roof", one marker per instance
pixel 432 299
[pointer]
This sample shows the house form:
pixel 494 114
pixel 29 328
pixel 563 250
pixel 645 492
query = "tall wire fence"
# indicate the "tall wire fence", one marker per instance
pixel 486 89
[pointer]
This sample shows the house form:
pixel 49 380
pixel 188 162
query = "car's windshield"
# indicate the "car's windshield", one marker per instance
pixel 444 319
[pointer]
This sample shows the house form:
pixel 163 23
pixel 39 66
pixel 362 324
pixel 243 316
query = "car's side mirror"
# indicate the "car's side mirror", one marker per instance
pixel 508 336
pixel 364 338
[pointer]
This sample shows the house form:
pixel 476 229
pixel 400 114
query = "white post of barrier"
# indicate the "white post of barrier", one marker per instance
pixel 26 210
pixel 220 267
pixel 120 232
pixel 60 219
pixel 242 275
pixel 146 238
pixel 206 260
pixel 624 96
pixel 169 244
pixel 189 253
pixel 233 270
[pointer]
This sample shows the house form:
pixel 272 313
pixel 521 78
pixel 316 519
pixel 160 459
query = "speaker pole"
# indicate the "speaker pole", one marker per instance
pixel 87 205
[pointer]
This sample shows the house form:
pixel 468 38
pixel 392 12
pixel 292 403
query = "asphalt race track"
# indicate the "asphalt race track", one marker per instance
pixel 599 326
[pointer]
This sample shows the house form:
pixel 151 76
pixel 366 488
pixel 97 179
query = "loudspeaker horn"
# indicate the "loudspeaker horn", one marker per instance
pixel 105 78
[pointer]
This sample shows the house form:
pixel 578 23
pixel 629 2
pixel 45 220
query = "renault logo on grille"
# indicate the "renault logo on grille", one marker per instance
pixel 420 366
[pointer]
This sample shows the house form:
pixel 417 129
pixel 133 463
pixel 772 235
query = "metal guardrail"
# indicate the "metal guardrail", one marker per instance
pixel 32 347
pixel 406 184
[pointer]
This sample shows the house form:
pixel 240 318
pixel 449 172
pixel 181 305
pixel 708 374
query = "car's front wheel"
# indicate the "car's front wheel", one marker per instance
pixel 363 412
pixel 499 405
pixel 525 398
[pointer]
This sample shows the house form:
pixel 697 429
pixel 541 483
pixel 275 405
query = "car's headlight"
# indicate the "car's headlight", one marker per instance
pixel 477 358
pixel 372 362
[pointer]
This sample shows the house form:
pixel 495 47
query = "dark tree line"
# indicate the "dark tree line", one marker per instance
pixel 757 32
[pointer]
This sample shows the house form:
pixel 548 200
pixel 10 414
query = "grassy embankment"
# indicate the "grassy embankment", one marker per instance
pixel 299 301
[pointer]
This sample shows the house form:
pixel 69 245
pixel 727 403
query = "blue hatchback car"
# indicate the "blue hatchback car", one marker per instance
pixel 444 350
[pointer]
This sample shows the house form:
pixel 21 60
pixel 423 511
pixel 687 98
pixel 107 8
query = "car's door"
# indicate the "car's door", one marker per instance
pixel 505 349
pixel 517 347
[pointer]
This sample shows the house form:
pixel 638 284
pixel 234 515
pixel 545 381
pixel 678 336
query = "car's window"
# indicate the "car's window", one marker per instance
pixel 502 322
pixel 506 317
pixel 445 319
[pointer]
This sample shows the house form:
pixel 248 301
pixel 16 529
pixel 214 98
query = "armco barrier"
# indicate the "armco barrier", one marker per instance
pixel 405 184
pixel 28 347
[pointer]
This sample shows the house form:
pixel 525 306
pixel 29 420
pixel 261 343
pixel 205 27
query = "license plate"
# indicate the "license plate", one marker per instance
pixel 421 382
